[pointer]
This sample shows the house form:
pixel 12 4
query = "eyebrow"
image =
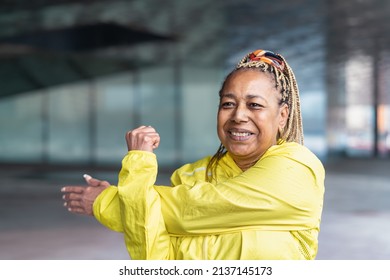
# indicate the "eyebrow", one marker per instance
pixel 249 96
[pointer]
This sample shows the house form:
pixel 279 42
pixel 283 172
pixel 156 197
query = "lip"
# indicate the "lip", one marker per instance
pixel 239 134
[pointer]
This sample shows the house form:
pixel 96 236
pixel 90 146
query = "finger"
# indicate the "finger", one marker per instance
pixel 153 138
pixel 73 204
pixel 76 210
pixel 87 177
pixel 156 141
pixel 73 189
pixel 72 196
pixel 79 211
pixel 91 181
pixel 146 142
pixel 148 129
pixel 104 184
pixel 135 129
pixel 140 129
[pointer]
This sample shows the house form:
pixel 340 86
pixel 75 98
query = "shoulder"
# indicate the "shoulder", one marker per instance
pixel 295 154
pixel 190 171
pixel 293 151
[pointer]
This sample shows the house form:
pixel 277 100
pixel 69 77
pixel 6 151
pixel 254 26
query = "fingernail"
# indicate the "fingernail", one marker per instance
pixel 63 189
pixel 65 204
pixel 70 209
pixel 63 197
pixel 87 177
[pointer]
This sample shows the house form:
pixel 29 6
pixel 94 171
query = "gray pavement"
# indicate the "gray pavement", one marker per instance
pixel 35 226
pixel 356 216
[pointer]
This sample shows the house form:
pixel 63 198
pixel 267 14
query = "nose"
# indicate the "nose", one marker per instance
pixel 240 114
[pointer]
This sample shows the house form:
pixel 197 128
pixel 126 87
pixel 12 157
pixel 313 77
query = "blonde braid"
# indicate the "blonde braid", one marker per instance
pixel 293 131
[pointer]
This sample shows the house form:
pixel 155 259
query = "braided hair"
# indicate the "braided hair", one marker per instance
pixel 285 82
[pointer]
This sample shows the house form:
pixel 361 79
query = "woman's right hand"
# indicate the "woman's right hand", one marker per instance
pixel 143 138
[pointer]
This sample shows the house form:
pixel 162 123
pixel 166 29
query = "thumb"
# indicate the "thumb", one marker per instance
pixel 91 181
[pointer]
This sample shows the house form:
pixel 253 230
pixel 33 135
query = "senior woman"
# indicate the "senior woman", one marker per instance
pixel 259 197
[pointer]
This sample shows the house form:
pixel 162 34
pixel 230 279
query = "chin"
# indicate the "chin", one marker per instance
pixel 239 153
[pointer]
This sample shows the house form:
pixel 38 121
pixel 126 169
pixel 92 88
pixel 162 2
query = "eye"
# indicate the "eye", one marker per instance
pixel 255 105
pixel 227 105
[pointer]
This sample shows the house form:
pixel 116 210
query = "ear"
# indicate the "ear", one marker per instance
pixel 284 113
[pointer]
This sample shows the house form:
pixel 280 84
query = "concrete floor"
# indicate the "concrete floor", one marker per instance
pixel 35 226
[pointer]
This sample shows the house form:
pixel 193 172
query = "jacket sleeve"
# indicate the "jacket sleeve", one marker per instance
pixel 145 234
pixel 106 209
pixel 278 193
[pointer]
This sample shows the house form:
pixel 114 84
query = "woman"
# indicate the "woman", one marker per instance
pixel 259 197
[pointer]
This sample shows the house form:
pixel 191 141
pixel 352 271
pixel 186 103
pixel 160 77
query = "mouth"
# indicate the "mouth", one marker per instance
pixel 239 135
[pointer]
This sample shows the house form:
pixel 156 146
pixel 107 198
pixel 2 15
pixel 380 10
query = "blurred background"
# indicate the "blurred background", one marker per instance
pixel 76 75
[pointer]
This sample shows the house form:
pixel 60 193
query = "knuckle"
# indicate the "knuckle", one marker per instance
pixel 129 133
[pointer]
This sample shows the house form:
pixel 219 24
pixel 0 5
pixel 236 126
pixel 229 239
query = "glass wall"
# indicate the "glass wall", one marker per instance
pixel 115 111
pixel 200 104
pixel 22 128
pixel 68 110
pixel 85 123
pixel 383 116
pixel 357 78
pixel 337 50
pixel 359 110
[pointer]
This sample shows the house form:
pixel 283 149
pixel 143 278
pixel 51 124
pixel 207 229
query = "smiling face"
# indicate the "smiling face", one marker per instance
pixel 250 115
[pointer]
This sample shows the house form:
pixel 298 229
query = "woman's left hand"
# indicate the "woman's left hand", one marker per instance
pixel 143 138
pixel 80 199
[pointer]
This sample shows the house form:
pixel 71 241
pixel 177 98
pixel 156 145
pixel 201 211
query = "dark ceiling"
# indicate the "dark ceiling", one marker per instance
pixel 43 43
pixel 36 55
pixel 45 58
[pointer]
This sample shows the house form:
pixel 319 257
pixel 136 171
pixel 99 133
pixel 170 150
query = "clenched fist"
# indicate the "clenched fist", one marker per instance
pixel 143 138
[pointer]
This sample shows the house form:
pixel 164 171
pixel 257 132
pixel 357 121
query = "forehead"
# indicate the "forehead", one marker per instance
pixel 251 72
pixel 249 81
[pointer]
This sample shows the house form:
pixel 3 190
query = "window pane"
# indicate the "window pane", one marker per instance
pixel 21 128
pixel 157 105
pixel 200 104
pixel 114 116
pixel 68 124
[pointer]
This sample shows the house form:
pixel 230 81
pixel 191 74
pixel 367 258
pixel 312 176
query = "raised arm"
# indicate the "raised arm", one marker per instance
pixel 140 206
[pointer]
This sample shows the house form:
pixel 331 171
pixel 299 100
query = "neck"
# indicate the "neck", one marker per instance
pixel 246 163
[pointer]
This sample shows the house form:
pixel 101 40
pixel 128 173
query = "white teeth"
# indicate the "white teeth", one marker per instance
pixel 240 134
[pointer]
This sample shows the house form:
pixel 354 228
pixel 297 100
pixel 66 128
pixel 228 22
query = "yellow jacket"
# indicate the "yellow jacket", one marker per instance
pixel 270 211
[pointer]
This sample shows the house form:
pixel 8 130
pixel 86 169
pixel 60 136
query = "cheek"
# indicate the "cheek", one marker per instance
pixel 267 122
pixel 219 124
pixel 221 119
pixel 262 119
